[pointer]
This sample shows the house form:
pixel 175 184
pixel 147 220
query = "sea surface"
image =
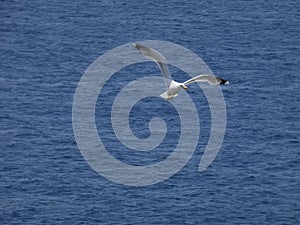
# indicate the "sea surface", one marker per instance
pixel 45 48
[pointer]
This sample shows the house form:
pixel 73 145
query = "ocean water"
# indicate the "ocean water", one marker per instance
pixel 45 47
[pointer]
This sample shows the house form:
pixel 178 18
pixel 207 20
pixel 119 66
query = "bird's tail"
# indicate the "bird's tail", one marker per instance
pixel 165 95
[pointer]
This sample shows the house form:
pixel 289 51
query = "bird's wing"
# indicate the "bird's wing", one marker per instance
pixel 212 80
pixel 159 59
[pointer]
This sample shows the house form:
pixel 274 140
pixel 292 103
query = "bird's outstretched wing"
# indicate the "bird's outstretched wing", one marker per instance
pixel 159 59
pixel 212 80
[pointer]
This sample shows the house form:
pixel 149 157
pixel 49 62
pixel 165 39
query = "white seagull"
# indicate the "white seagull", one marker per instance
pixel 173 87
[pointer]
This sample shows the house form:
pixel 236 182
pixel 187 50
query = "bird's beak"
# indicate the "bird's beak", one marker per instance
pixel 184 87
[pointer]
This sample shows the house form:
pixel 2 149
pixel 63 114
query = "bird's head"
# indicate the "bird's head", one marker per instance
pixel 184 87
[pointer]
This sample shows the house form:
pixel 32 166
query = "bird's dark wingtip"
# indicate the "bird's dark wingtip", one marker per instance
pixel 224 81
pixel 134 45
pixel 137 46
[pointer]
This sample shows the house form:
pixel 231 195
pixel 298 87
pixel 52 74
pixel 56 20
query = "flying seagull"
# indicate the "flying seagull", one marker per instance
pixel 173 87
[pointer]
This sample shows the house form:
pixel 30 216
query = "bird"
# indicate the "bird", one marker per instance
pixel 174 87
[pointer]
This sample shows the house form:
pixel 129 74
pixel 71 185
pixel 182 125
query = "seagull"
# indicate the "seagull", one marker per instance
pixel 173 87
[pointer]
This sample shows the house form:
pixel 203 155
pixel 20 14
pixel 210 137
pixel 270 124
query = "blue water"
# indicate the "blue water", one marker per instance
pixel 45 47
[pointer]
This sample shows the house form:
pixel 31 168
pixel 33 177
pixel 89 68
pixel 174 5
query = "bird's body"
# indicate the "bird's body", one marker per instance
pixel 172 91
pixel 174 87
